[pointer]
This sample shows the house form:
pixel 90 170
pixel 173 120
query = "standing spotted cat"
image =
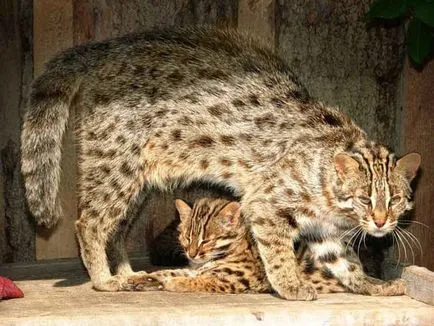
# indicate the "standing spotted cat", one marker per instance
pixel 223 255
pixel 166 108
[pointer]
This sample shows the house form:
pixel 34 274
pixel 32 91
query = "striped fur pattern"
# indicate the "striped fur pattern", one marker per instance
pixel 223 257
pixel 166 108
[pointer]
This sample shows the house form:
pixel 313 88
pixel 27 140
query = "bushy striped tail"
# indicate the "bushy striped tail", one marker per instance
pixel 41 141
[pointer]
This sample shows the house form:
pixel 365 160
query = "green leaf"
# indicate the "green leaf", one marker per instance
pixel 387 9
pixel 415 3
pixel 418 40
pixel 425 13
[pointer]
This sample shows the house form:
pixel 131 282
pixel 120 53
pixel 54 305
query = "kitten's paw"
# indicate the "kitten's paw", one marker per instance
pixel 142 281
pixel 305 292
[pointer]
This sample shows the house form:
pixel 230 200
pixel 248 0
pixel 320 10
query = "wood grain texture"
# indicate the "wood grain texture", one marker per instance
pixel 418 136
pixel 17 232
pixel 52 28
pixel 420 283
pixel 99 19
pixel 344 62
pixel 257 17
pixel 65 297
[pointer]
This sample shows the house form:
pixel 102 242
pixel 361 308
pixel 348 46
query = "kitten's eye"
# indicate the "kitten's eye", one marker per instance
pixel 364 200
pixel 204 242
pixel 395 200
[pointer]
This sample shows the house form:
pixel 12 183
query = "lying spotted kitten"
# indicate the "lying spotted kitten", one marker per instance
pixel 223 256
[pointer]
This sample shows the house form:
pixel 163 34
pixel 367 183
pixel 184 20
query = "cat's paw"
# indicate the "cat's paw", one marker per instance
pixel 304 292
pixel 395 287
pixel 142 281
pixel 113 284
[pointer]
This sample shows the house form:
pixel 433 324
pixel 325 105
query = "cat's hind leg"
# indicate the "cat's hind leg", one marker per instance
pixel 111 179
pixel 116 250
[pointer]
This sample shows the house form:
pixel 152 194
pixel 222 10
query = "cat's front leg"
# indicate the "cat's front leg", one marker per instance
pixel 343 264
pixel 274 230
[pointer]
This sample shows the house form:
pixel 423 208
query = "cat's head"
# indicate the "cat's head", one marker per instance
pixel 208 229
pixel 375 187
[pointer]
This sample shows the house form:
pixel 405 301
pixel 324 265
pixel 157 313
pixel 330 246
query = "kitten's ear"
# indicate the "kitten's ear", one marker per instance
pixel 231 213
pixel 408 165
pixel 345 165
pixel 183 209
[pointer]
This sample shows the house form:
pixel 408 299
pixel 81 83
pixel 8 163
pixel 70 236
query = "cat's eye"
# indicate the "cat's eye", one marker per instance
pixel 395 200
pixel 364 200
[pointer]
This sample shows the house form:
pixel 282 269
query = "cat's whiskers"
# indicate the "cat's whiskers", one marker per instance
pixel 404 237
pixel 354 236
pixel 412 238
pixel 396 243
pixel 398 237
pixel 415 240
pixel 364 239
pixel 410 222
pixel 348 232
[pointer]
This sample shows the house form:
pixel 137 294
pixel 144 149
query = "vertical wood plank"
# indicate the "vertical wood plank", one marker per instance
pixel 257 17
pixel 418 136
pixel 17 231
pixel 52 33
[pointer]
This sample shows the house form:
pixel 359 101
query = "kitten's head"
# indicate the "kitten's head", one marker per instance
pixel 209 229
pixel 375 187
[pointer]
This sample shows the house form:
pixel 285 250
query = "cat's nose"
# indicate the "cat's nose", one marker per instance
pixel 192 252
pixel 380 222
pixel 379 216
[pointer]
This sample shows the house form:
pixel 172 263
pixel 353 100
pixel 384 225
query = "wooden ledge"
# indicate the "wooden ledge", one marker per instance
pixel 59 293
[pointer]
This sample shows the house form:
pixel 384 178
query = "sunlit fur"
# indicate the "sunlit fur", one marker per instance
pixel 207 234
pixel 223 256
pixel 376 193
pixel 161 109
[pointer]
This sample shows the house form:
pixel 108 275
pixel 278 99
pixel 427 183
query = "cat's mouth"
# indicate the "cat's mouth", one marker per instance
pixel 378 233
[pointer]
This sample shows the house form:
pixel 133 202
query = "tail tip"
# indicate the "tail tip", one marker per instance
pixel 48 219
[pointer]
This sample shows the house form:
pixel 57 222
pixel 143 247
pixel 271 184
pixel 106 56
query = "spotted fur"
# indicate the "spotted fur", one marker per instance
pixel 166 108
pixel 223 255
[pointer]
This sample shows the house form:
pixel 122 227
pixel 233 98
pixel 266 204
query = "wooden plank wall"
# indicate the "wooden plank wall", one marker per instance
pixel 53 32
pixel 418 136
pixel 17 230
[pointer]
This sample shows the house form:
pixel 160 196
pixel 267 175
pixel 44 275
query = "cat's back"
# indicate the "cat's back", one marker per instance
pixel 168 64
pixel 187 46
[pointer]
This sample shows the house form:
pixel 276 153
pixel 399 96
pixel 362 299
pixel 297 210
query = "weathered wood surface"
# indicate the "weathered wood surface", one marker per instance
pixel 344 62
pixel 61 295
pixel 17 232
pixel 53 32
pixel 258 19
pixel 418 136
pixel 420 283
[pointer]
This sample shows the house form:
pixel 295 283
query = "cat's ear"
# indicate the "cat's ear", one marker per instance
pixel 408 165
pixel 230 214
pixel 183 209
pixel 345 165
